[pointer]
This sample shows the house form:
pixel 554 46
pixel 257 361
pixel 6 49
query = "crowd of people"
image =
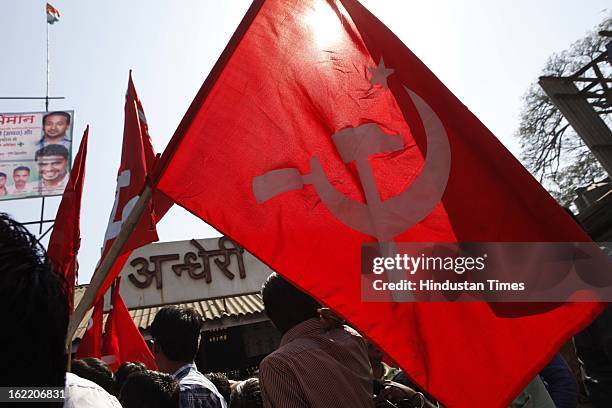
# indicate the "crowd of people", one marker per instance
pixel 321 362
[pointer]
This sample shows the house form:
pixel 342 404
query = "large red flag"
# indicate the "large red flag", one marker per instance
pixel 286 149
pixel 122 339
pixel 66 236
pixel 137 161
pixel 91 343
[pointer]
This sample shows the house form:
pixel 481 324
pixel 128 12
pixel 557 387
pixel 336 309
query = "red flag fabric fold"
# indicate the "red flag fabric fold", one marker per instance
pixel 137 162
pixel 66 236
pixel 311 125
pixel 122 339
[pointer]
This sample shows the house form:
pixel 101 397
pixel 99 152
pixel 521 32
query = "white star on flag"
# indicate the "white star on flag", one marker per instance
pixel 380 74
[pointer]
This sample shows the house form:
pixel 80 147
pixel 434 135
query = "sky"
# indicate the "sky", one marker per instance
pixel 487 52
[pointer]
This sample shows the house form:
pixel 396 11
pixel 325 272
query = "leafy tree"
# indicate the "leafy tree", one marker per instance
pixel 550 149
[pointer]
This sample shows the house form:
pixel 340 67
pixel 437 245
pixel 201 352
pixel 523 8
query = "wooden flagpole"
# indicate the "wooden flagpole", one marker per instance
pixel 107 263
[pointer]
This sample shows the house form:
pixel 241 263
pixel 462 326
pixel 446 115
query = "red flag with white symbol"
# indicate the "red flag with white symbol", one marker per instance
pixel 318 131
pixel 91 343
pixel 137 161
pixel 65 239
pixel 122 339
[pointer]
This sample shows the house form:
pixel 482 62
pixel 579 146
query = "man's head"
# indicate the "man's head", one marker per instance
pixel 176 335
pixel 33 311
pixel 150 389
pixel 127 368
pixel 96 370
pixel 52 161
pixel 21 175
pixel 286 305
pixel 222 383
pixel 2 180
pixel 55 125
pixel 247 395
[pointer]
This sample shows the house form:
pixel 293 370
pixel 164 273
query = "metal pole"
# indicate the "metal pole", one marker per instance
pixel 30 97
pixel 47 92
pixel 42 207
pixel 46 232
pixel 42 215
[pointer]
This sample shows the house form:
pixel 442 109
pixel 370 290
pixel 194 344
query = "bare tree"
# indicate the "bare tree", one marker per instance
pixel 551 150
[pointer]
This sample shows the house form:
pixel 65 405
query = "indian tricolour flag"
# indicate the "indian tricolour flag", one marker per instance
pixel 52 14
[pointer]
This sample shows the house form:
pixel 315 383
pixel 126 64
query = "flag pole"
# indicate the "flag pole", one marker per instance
pixel 47 91
pixel 107 263
pixel 74 286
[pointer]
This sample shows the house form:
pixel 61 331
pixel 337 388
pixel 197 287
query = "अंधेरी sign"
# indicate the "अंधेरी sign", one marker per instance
pixel 184 271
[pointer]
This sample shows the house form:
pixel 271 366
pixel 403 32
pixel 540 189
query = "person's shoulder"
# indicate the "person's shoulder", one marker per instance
pixel 278 360
pixel 80 392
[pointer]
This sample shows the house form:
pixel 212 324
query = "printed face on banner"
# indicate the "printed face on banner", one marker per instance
pixel 35 153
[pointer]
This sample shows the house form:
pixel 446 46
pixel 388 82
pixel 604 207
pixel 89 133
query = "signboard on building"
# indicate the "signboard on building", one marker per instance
pixel 35 153
pixel 184 271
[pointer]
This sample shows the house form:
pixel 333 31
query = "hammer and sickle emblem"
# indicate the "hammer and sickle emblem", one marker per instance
pixel 380 219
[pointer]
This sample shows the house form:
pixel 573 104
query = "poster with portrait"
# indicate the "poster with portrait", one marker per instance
pixel 35 153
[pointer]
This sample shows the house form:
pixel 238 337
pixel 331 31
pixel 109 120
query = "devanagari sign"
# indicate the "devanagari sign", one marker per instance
pixel 184 271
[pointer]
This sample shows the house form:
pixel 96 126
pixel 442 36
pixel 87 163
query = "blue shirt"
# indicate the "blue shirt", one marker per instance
pixel 197 391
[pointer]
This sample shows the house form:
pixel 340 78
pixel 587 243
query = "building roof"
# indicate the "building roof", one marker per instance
pixel 215 312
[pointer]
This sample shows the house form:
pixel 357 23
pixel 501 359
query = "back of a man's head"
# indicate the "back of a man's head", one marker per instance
pixel 96 370
pixel 247 395
pixel 177 332
pixel 150 389
pixel 33 311
pixel 127 368
pixel 222 383
pixel 286 305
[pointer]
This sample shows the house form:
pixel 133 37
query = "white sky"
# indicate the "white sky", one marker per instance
pixel 487 52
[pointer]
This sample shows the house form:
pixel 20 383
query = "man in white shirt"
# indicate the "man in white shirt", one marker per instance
pixel 52 161
pixel 82 393
pixel 21 175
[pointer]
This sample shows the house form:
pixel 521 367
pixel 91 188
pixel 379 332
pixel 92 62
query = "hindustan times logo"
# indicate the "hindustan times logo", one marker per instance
pixel 412 264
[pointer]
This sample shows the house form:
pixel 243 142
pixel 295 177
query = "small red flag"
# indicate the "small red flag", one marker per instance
pixel 122 339
pixel 91 343
pixel 66 236
pixel 137 161
pixel 318 131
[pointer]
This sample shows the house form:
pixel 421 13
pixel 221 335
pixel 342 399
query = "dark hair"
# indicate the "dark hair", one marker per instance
pixel 125 369
pixel 57 113
pixel 33 311
pixel 2 174
pixel 96 370
pixel 285 304
pixel 52 150
pixel 247 395
pixel 20 168
pixel 177 331
pixel 149 389
pixel 222 383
